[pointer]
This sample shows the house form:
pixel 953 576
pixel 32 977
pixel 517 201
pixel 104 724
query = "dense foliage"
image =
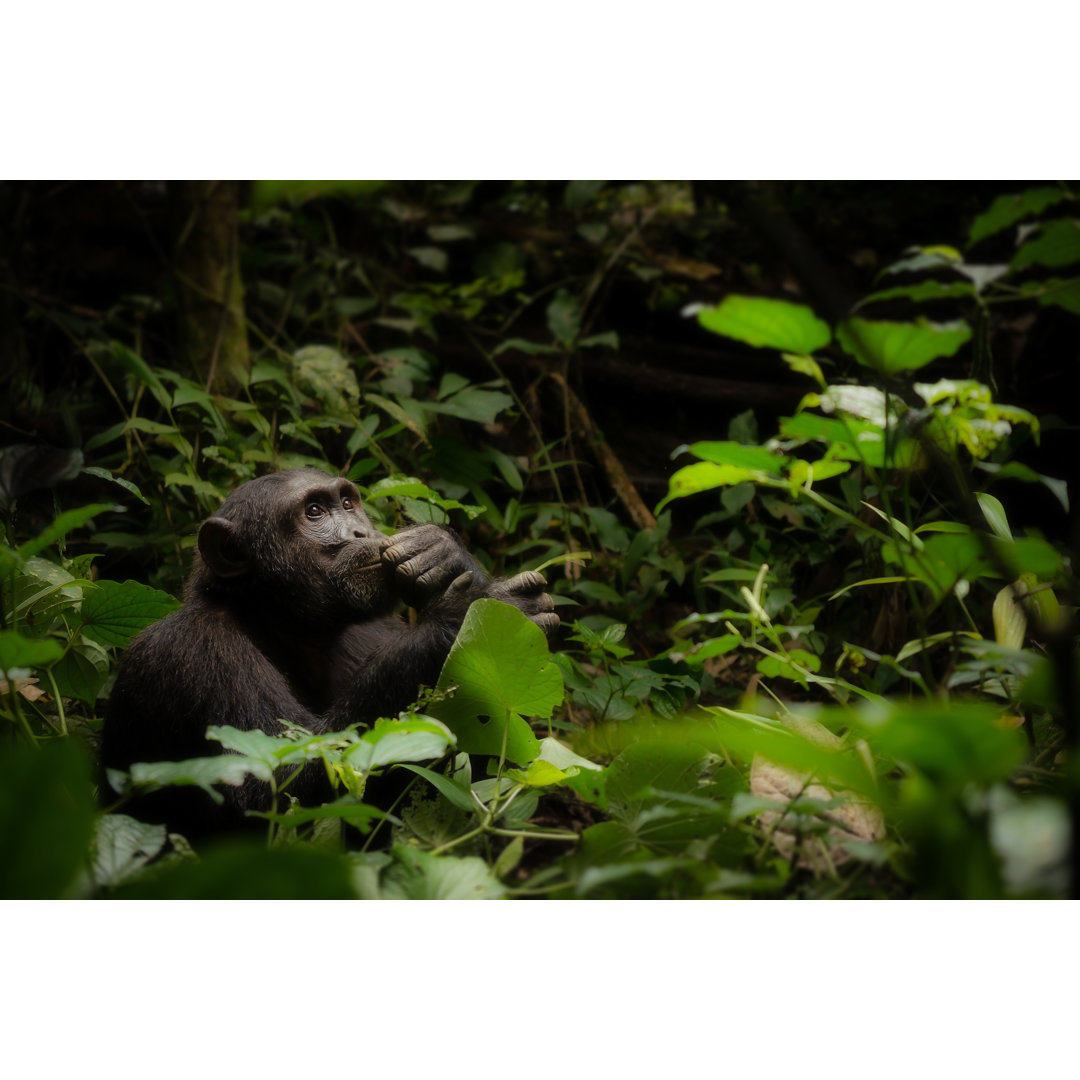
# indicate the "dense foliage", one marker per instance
pixel 835 656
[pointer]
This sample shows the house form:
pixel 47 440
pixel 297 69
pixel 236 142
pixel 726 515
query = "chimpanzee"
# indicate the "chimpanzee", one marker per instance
pixel 289 614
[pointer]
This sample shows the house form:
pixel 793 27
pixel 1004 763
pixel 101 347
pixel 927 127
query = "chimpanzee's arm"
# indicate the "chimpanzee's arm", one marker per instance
pixel 192 669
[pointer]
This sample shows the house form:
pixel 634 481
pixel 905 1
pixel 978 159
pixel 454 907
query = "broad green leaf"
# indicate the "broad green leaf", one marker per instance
pixel 746 735
pixel 530 348
pixel 563 757
pixel 607 340
pixel 46 818
pixel 82 670
pixel 704 476
pixel 1058 244
pixel 416 875
pixel 324 374
pixel 743 457
pixel 1010 622
pixel 892 347
pixel 953 744
pixel 115 612
pixel 579 193
pixel 473 403
pixel 127 485
pixel 267 193
pixel 416 738
pixel 121 849
pixel 564 318
pixel 923 291
pixel 800 662
pixel 771 324
pixel 200 772
pixel 995 515
pixel 805 365
pixel 18 653
pixel 848 439
pixel 502 670
pixel 1057 293
pixel 454 793
pixel 809 472
pixel 64 524
pixel 924 258
pixel 447 234
pixel 347 809
pixel 238 870
pixel 433 258
pixel 1029 555
pixel 1006 210
pixel 142 371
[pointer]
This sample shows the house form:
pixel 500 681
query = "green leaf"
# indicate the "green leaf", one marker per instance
pixel 891 347
pixel 416 738
pixel 82 670
pixel 18 653
pixel 1058 293
pixel 742 457
pixel 115 612
pixel 1029 555
pixel 122 848
pixel 995 515
pixel 1010 622
pixel 1006 210
pixel 64 524
pixel 46 818
pixel 502 670
pixel 564 318
pixel 200 772
pixel 953 744
pixel 772 324
pixel 704 476
pixel 323 373
pixel 923 291
pixel 127 485
pixel 1058 244
pixel 142 371
pixel 432 258
pixel 473 403
pixel 608 340
pixel 416 875
pixel 530 348
pixel 247 871
pixel 454 793
pixel 347 809
pixel 579 193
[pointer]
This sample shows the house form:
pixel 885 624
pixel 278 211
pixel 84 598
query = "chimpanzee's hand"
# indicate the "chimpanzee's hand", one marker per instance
pixel 526 592
pixel 425 559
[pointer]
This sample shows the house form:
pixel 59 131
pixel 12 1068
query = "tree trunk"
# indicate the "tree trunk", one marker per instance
pixel 213 333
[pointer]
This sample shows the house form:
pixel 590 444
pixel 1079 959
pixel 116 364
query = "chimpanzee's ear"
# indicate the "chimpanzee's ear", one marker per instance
pixel 220 548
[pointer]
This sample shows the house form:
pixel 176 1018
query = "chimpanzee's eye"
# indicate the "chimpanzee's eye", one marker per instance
pixel 313 510
pixel 346 503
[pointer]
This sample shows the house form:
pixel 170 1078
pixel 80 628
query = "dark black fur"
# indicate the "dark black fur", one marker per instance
pixel 289 614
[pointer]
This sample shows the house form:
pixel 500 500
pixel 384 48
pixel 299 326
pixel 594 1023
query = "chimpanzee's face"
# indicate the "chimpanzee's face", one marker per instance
pixel 330 523
pixel 300 540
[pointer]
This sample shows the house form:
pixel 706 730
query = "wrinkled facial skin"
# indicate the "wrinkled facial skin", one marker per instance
pixel 330 524
pixel 298 539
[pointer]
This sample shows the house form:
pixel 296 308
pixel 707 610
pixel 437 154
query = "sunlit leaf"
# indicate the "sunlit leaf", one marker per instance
pixel 764 323
pixel 892 347
pixel 1006 210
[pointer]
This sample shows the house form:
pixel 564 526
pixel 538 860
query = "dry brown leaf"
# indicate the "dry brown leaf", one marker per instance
pixel 27 687
pixel 690 268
